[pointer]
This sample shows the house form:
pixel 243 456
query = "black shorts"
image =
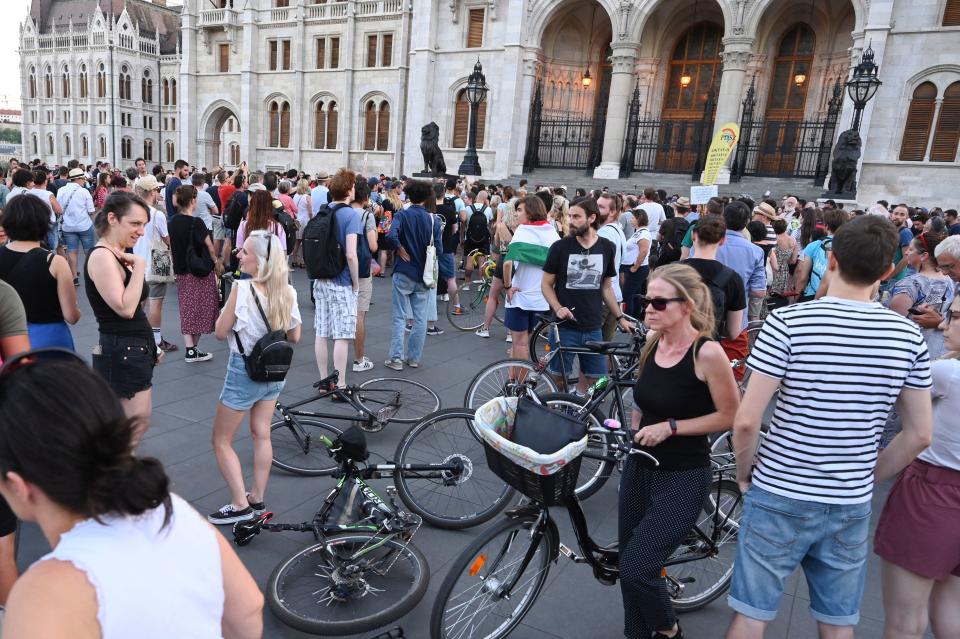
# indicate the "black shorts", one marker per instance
pixel 126 363
pixel 498 268
pixel 469 247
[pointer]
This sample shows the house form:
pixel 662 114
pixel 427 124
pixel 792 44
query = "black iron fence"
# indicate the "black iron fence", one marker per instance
pixel 563 139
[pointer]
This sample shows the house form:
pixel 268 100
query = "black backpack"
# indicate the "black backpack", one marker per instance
pixel 269 359
pixel 364 254
pixel 289 225
pixel 478 231
pixel 322 251
pixel 234 212
pixel 718 291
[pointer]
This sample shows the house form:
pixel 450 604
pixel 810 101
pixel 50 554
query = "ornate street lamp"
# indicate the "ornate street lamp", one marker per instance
pixel 863 85
pixel 476 91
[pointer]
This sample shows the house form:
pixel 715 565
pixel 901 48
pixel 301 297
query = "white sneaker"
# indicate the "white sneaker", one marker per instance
pixel 445 297
pixel 482 332
pixel 363 365
pixel 465 287
pixel 509 338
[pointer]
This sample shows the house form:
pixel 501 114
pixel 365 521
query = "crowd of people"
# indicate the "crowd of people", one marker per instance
pixel 857 350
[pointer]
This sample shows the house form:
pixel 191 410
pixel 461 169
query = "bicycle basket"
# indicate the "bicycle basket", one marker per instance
pixel 546 478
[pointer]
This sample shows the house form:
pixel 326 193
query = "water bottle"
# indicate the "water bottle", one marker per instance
pixel 598 386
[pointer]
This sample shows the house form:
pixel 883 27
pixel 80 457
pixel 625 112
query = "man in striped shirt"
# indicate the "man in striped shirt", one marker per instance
pixel 840 363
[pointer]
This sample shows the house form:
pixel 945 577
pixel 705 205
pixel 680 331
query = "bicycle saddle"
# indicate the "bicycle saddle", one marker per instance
pixel 606 347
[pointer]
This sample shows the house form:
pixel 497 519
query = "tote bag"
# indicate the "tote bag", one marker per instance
pixel 431 265
pixel 160 267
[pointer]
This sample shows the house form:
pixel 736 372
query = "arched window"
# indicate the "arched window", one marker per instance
pixel 124 84
pixel 947 134
pixel 82 80
pixel 166 92
pixel 234 154
pixel 48 83
pixel 84 147
pixel 66 146
pixel 325 125
pixel 273 126
pixel 148 150
pixel 285 125
pixel 695 57
pixel 461 121
pixel 376 126
pixel 173 92
pixel 50 149
pixel 169 152
pixel 126 148
pixel 146 88
pixel 65 83
pixel 34 141
pixel 103 146
pixel 101 83
pixel 794 60
pixel 33 84
pixel 916 131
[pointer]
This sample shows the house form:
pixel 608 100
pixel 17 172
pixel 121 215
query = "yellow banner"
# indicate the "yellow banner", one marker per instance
pixel 720 149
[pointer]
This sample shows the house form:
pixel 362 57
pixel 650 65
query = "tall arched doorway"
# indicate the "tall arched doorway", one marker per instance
pixel 221 131
pixel 689 97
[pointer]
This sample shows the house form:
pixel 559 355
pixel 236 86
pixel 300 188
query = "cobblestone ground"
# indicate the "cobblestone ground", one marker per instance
pixel 572 606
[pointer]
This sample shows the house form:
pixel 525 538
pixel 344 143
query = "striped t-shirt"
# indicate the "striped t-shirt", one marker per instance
pixel 841 366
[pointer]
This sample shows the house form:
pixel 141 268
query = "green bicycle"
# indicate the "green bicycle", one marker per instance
pixel 474 295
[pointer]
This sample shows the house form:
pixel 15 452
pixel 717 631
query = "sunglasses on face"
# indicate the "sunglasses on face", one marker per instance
pixel 658 303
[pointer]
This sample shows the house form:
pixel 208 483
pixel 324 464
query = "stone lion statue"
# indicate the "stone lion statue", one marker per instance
pixel 843 168
pixel 430 148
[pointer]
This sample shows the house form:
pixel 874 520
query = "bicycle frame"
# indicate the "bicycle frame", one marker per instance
pixel 348 395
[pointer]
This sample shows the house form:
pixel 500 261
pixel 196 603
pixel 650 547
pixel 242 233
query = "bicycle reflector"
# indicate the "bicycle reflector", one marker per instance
pixel 477 564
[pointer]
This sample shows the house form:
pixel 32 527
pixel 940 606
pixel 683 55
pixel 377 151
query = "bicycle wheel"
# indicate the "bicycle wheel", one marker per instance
pixel 473 306
pixel 448 500
pixel 297 448
pixel 503 379
pixel 348 583
pixel 397 400
pixel 724 457
pixel 697 582
pixel 540 341
pixel 594 473
pixel 469 603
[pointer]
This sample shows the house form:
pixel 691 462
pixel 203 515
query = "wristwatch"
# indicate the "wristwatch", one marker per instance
pixel 673 425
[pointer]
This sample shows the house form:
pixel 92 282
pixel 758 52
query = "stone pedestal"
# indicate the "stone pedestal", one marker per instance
pixel 607 171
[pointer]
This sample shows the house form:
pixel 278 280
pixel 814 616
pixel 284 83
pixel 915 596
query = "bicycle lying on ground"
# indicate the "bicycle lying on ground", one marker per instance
pixel 359 575
pixel 473 301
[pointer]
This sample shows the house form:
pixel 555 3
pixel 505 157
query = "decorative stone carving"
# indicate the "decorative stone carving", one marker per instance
pixel 736 59
pixel 843 167
pixel 433 162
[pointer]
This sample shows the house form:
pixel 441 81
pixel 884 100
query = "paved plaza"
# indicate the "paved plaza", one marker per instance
pixel 573 605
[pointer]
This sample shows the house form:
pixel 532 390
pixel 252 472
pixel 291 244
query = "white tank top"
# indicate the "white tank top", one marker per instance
pixel 150 583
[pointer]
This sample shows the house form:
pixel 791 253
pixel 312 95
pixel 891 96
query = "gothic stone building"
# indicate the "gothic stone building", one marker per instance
pixel 604 86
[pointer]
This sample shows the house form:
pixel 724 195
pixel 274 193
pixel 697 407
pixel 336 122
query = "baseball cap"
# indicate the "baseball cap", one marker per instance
pixel 373 181
pixel 257 186
pixel 145 183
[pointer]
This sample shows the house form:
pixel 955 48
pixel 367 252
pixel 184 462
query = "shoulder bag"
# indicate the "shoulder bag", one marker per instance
pixel 160 267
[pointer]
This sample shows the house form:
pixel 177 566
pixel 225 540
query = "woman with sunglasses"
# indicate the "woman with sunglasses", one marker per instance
pixel 116 289
pixel 129 558
pixel 684 392
pixel 927 287
pixel 263 259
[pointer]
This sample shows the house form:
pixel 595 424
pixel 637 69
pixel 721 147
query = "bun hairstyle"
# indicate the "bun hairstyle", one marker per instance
pixel 75 444
pixel 690 286
pixel 121 204
pixel 184 195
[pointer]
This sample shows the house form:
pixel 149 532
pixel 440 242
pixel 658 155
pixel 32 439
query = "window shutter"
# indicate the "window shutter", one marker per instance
pixel 286 55
pixel 475 29
pixel 916 131
pixel 273 55
pixel 321 52
pixel 370 127
pixel 383 127
pixel 285 125
pixel 334 53
pixel 332 125
pixel 320 126
pixel 461 120
pixel 481 123
pixel 386 57
pixel 371 51
pixel 947 134
pixel 951 14
pixel 224 58
pixel 273 139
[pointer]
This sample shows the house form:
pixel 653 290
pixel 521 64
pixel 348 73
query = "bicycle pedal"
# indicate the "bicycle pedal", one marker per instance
pixel 569 554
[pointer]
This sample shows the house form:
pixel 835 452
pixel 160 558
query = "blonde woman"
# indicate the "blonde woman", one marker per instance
pixel 684 392
pixel 262 258
pixel 560 214
pixel 304 203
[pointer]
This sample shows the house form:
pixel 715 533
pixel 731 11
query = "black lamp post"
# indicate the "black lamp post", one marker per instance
pixel 476 92
pixel 863 85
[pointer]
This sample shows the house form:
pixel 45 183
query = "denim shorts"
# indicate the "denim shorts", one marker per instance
pixel 445 266
pixel 126 362
pixel 590 365
pixel 240 392
pixel 778 534
pixel 74 239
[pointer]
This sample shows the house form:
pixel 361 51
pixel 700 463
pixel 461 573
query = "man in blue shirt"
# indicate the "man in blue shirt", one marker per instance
pixel 953 227
pixel 181 171
pixel 336 298
pixel 410 234
pixel 815 256
pixel 320 194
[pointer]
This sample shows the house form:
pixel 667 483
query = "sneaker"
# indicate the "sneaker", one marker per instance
pixel 458 310
pixel 465 287
pixel 196 355
pixel 482 332
pixel 434 330
pixel 509 338
pixel 413 364
pixel 167 347
pixel 408 328
pixel 76 282
pixel 445 297
pixel 258 507
pixel 394 364
pixel 363 365
pixel 229 514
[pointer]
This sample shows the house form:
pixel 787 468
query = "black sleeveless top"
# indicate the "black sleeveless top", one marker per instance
pixel 29 274
pixel 107 319
pixel 662 393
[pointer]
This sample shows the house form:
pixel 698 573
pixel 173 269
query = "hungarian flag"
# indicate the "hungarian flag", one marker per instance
pixel 531 242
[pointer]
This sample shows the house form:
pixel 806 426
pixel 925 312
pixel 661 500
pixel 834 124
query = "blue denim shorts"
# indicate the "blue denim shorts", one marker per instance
pixel 778 534
pixel 74 239
pixel 590 365
pixel 240 392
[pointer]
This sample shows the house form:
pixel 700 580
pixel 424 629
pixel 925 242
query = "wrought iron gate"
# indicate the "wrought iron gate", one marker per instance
pixel 786 148
pixel 563 140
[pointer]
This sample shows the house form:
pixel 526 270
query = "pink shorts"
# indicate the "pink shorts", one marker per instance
pixel 919 529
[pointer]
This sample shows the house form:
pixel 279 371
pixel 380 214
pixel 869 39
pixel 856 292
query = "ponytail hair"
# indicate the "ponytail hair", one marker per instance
pixel 184 195
pixel 273 273
pixel 120 204
pixel 690 287
pixel 76 444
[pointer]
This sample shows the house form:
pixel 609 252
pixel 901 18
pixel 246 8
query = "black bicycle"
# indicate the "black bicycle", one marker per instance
pixel 371 405
pixel 495 582
pixel 364 571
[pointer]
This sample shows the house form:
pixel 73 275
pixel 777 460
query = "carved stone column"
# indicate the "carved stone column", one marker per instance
pixel 737 51
pixel 624 60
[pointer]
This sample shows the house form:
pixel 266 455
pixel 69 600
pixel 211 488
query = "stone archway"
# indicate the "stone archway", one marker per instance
pixel 216 137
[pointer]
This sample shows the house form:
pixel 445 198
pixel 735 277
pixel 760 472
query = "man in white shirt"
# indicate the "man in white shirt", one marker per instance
pixel 42 193
pixel 78 208
pixel 655 213
pixel 610 229
pixel 148 188
pixel 206 208
pixel 320 194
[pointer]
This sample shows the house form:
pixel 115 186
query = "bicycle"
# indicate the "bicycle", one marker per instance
pixel 343 583
pixel 473 302
pixel 495 582
pixel 375 403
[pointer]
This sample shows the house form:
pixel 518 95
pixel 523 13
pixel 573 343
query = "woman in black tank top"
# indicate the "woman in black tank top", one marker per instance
pixel 115 287
pixel 684 392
